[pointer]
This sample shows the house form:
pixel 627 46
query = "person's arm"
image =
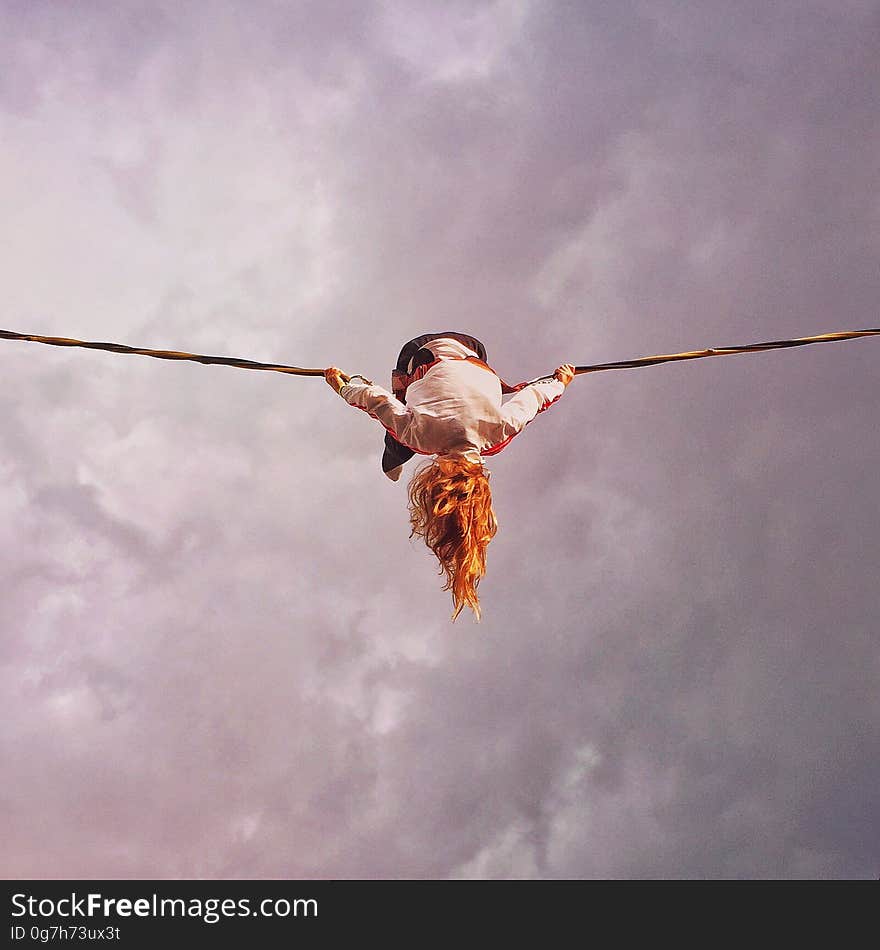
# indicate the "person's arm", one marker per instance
pixel 375 400
pixel 520 409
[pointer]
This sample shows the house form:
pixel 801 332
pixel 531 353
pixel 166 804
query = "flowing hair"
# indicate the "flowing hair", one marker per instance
pixel 450 506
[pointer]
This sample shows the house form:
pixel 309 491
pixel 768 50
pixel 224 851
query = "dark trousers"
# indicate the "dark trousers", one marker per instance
pixel 413 355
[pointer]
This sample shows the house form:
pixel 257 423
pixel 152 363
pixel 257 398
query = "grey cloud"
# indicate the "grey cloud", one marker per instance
pixel 222 655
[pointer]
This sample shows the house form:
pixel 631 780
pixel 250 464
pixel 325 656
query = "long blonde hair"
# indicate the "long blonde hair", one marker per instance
pixel 450 506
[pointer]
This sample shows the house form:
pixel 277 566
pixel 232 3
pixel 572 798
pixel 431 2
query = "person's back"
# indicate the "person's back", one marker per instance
pixel 455 406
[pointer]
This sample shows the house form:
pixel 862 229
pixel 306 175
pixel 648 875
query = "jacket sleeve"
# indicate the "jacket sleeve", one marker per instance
pixel 378 402
pixel 520 409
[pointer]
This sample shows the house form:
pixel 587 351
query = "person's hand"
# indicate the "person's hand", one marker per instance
pixel 335 377
pixel 565 373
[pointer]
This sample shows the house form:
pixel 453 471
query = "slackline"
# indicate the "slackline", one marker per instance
pixel 300 371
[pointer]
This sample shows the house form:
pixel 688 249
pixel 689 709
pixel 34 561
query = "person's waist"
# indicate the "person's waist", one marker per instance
pixel 400 382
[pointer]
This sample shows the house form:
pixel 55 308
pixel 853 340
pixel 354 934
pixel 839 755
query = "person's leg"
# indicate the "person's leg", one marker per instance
pixel 394 457
pixel 409 350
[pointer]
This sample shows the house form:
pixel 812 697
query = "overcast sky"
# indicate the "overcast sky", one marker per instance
pixel 222 656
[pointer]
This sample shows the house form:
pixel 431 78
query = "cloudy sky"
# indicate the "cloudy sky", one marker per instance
pixel 222 656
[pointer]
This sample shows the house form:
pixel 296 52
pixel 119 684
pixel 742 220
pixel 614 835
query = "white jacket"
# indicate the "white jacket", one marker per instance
pixel 455 408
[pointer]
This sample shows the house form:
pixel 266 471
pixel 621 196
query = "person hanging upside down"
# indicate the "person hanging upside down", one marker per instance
pixel 446 401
